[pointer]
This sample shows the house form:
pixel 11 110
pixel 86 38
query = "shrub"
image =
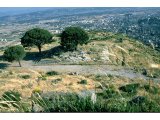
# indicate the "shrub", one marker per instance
pixel 51 73
pixel 130 88
pixel 151 89
pixel 116 105
pixel 25 76
pixel 100 77
pixel 83 82
pixel 109 93
pixel 144 71
pixel 56 80
pixel 142 104
pixel 37 90
pixel 42 77
pixel 138 100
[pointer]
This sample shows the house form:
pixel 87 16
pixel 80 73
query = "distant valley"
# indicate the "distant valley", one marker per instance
pixel 139 23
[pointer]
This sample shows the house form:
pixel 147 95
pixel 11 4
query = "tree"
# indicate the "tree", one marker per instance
pixel 37 37
pixel 14 53
pixel 72 36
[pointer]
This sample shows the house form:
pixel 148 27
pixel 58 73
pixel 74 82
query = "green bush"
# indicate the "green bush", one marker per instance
pixel 51 73
pixel 109 93
pixel 25 76
pixel 42 77
pixel 142 105
pixel 116 105
pixel 83 82
pixel 151 89
pixel 101 77
pixel 56 80
pixel 130 88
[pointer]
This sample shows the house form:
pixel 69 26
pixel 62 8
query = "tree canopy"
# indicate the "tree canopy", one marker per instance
pixel 72 36
pixel 14 53
pixel 37 37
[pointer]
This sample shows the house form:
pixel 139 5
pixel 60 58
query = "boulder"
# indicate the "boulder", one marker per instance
pixel 37 108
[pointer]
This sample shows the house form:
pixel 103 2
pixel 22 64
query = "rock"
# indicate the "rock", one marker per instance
pixel 87 93
pixel 37 108
pixel 93 98
pixel 86 57
pixel 89 52
pixel 73 73
pixel 82 52
pixel 105 55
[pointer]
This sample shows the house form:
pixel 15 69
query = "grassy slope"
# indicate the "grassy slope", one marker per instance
pixel 136 55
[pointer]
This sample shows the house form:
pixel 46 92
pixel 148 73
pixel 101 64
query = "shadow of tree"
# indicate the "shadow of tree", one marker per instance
pixel 36 57
pixel 3 65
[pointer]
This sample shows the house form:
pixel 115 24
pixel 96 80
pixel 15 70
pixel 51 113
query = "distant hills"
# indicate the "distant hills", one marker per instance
pixel 14 14
pixel 142 23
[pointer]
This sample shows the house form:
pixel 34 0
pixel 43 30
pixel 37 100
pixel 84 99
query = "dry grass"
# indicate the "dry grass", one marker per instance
pixel 68 83
pixel 136 55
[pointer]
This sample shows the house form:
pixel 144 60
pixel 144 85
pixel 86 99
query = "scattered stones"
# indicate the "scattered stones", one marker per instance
pixel 73 57
pixel 73 73
pixel 105 55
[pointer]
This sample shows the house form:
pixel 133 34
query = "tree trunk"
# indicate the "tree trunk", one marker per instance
pixel 19 63
pixel 123 59
pixel 39 48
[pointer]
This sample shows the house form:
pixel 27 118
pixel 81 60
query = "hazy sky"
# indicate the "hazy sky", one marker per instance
pixel 19 10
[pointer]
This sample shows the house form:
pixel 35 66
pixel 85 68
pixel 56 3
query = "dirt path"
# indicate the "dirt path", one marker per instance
pixel 86 70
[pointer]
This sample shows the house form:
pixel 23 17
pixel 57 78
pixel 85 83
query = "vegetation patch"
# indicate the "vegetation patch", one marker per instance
pixel 84 82
pixel 56 80
pixel 10 98
pixel 37 90
pixel 25 76
pixel 42 77
pixel 130 88
pixel 151 89
pixel 109 93
pixel 51 73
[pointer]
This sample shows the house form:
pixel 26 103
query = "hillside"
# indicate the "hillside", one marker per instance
pixel 105 48
pixel 105 67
